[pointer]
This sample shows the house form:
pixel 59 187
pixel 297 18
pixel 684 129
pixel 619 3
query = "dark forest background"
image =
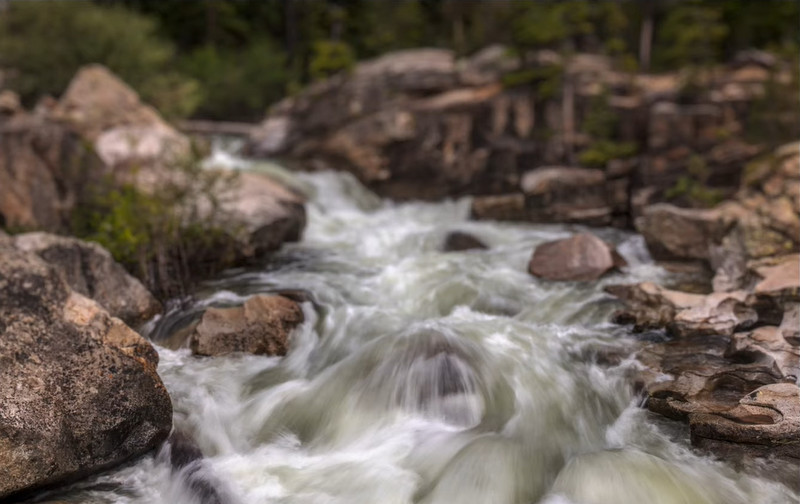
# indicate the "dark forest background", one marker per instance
pixel 232 59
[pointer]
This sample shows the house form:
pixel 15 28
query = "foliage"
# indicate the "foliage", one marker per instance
pixel 546 80
pixel 693 188
pixel 599 153
pixel 237 84
pixel 692 33
pixel 46 42
pixel 330 57
pixel 166 236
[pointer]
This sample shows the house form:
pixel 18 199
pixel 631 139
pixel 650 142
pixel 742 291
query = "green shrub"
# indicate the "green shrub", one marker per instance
pixel 546 80
pixel 238 84
pixel 44 43
pixel 330 57
pixel 692 188
pixel 167 237
pixel 601 152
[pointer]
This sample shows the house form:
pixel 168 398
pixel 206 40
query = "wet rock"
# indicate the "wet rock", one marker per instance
pixel 650 306
pixel 263 213
pixel 90 270
pixel 503 207
pixel 457 241
pixel 583 257
pixel 767 418
pixel 186 460
pixel 79 391
pixel 766 345
pixel 261 326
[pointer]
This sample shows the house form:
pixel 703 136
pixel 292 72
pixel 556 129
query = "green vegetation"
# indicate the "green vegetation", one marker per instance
pixel 692 188
pixel 166 237
pixel 601 124
pixel 545 80
pixel 232 58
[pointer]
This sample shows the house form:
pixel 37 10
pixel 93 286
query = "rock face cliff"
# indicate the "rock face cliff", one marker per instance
pixel 553 139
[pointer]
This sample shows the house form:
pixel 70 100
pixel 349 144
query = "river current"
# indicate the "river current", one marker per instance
pixel 421 376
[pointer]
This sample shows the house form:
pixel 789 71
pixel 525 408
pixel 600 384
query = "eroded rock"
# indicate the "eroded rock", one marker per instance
pixel 79 390
pixel 261 326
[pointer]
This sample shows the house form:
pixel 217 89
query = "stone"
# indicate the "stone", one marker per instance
pixel 767 346
pixel 9 103
pixel 123 130
pixel 458 241
pixel 650 306
pixel 266 212
pixel 768 417
pixel 566 194
pixel 680 233
pixel 582 257
pixel 501 207
pixel 79 392
pixel 261 326
pixel 90 270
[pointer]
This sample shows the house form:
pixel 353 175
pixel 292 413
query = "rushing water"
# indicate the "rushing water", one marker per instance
pixel 422 376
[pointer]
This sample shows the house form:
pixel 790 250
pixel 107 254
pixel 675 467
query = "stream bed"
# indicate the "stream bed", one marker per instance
pixel 421 376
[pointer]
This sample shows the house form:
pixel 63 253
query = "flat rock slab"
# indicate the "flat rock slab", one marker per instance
pixel 261 326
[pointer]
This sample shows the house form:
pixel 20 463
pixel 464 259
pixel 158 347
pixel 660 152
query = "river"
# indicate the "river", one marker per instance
pixel 422 376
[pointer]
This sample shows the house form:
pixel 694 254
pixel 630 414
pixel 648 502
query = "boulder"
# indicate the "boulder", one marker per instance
pixel 9 103
pixel 90 270
pixel 41 173
pixel 264 213
pixel 680 233
pixel 582 257
pixel 457 241
pixel 650 306
pixel 261 326
pixel 79 392
pixel 766 345
pixel 566 194
pixel 109 113
pixel 767 418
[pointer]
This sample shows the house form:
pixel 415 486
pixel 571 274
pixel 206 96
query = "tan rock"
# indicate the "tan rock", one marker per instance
pixel 261 326
pixel 79 391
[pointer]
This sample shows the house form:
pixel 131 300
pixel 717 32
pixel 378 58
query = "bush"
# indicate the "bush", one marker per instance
pixel 167 237
pixel 330 57
pixel 238 84
pixel 44 44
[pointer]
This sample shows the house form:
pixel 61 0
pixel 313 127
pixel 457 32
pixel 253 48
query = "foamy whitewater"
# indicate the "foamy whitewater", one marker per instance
pixel 422 376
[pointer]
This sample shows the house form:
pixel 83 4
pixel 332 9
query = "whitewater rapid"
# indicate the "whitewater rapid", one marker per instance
pixel 421 376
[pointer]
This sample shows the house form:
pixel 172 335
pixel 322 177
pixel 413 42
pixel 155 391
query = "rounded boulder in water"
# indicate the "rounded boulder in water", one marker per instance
pixel 628 477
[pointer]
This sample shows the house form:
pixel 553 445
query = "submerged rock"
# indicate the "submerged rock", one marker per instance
pixel 457 241
pixel 582 257
pixel 79 390
pixel 261 326
pixel 90 270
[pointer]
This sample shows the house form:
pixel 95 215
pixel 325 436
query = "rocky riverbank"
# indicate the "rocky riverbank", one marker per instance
pixel 79 390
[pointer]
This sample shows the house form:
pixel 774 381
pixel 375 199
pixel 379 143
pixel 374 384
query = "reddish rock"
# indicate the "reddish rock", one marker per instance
pixel 583 257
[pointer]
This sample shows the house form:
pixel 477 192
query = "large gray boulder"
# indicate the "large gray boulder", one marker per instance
pixel 79 391
pixel 90 270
